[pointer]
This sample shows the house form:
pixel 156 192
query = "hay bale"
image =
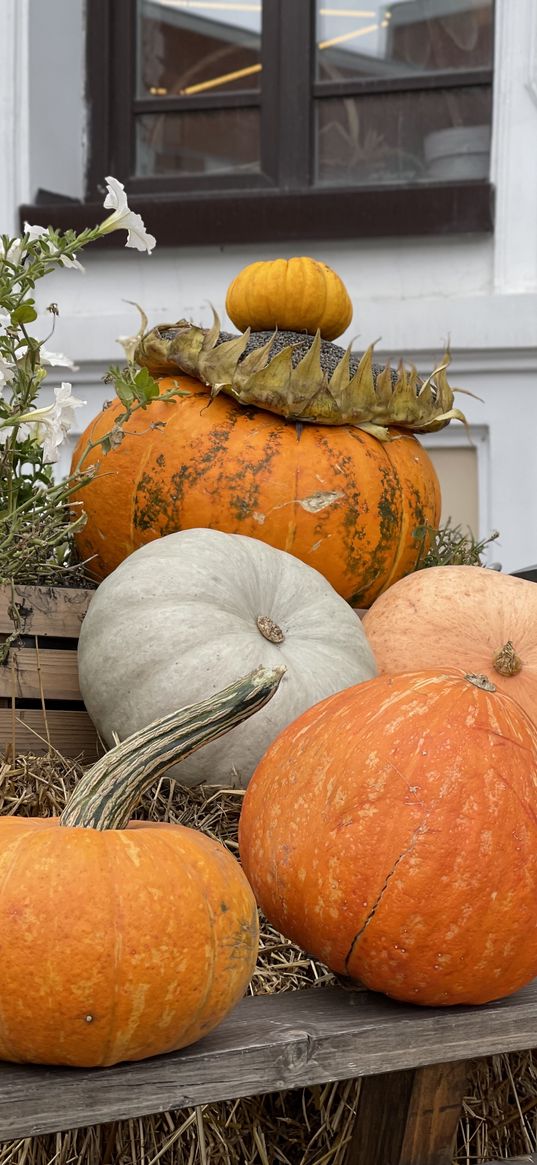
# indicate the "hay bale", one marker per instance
pixel 309 1126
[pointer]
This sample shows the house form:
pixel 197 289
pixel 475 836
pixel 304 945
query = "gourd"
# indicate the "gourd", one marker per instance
pixel 123 939
pixel 336 498
pixel 391 832
pixel 183 615
pixel 460 616
pixel 299 294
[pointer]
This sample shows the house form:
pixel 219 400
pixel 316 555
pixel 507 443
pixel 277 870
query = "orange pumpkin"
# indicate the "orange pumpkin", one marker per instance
pixel 391 831
pixel 335 497
pixel 299 294
pixel 123 939
pixel 460 616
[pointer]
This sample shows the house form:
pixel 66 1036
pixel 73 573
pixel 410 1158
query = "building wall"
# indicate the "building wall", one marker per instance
pixel 478 293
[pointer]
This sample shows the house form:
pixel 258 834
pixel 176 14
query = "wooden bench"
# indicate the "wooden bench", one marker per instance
pixel 413 1063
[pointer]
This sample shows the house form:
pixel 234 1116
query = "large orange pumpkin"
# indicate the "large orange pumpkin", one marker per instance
pixel 121 940
pixel 337 498
pixel 460 616
pixel 391 831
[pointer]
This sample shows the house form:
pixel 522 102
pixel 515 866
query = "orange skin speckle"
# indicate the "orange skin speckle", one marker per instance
pixel 114 944
pixel 420 846
pixel 335 497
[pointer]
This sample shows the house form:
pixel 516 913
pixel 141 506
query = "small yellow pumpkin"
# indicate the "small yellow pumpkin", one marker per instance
pixel 297 295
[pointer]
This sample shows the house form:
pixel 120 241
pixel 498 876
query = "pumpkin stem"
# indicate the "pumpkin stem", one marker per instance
pixel 480 681
pixel 111 788
pixel 269 629
pixel 506 661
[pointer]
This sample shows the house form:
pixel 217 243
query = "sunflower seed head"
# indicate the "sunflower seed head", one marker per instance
pixel 303 377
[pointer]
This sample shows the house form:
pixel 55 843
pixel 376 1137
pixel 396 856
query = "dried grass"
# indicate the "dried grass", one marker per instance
pixel 301 1127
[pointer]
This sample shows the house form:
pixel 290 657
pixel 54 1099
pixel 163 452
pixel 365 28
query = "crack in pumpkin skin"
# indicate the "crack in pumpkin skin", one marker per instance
pixel 222 466
pixel 422 828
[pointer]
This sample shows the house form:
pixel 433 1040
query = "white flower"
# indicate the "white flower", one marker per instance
pixel 56 359
pixel 14 252
pixel 23 432
pixel 50 424
pixel 59 420
pixel 129 345
pixel 7 372
pixel 34 232
pixel 123 218
pixel 71 262
pixel 5 318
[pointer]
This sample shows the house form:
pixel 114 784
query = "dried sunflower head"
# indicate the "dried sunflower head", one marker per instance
pixel 302 377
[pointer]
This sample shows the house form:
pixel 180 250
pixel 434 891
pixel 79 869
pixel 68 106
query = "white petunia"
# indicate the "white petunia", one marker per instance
pixel 51 423
pixel 129 345
pixel 5 318
pixel 14 252
pixel 71 262
pixel 56 359
pixel 123 218
pixel 64 405
pixel 7 372
pixel 34 232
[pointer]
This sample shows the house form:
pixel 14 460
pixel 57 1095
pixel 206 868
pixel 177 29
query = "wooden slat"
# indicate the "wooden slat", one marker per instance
pixel 72 733
pixel 55 611
pixel 409 1117
pixel 270 1042
pixel 28 671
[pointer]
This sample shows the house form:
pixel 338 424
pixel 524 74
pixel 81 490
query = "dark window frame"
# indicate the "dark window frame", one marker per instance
pixel 279 203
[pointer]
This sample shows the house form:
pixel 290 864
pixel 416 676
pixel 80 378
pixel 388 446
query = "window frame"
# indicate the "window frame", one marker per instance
pixel 278 203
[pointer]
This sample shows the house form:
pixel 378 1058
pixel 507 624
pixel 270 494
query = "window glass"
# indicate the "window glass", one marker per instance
pixel 431 135
pixel 186 47
pixel 210 141
pixel 394 38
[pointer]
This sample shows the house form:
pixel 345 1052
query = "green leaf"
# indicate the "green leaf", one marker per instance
pixel 25 313
pixel 145 387
pixel 124 392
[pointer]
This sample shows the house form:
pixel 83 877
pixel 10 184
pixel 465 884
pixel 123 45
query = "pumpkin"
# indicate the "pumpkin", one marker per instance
pixel 123 940
pixel 391 832
pixel 183 615
pixel 460 616
pixel 341 501
pixel 299 294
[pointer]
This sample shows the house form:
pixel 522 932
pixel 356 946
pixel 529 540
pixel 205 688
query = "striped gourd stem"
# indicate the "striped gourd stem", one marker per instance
pixel 111 788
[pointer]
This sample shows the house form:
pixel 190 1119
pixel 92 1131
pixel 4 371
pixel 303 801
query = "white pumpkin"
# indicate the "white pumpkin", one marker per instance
pixel 189 613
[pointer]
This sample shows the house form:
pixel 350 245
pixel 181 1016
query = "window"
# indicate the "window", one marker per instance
pixel 246 120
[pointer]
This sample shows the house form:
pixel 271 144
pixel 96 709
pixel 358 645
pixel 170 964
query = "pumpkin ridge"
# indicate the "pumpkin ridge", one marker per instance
pixel 115 933
pixel 178 859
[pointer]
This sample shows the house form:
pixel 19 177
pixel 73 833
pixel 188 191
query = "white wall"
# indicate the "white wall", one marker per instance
pixel 56 88
pixel 480 292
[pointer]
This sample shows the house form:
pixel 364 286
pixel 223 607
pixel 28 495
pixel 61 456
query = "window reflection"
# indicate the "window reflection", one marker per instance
pixel 187 47
pixel 388 38
pixel 212 141
pixel 426 136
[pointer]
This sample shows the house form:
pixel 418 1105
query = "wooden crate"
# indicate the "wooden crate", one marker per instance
pixel 40 700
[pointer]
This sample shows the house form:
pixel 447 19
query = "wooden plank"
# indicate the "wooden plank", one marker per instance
pixel 434 1113
pixel 268 1043
pixel 28 671
pixel 409 1117
pixel 71 733
pixel 56 611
